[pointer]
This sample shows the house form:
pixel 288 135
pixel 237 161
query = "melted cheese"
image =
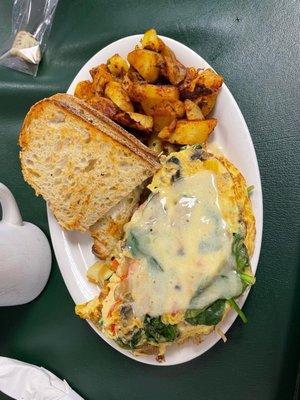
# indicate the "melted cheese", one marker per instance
pixel 184 247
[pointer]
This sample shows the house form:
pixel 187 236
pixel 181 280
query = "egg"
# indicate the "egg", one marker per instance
pixel 181 240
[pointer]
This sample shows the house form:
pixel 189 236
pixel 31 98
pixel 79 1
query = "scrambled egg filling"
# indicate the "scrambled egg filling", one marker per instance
pixel 184 254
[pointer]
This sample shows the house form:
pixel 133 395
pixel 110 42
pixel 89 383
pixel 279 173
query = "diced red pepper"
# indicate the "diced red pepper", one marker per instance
pixel 113 328
pixel 114 264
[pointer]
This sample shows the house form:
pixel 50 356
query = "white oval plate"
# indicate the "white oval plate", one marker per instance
pixel 73 249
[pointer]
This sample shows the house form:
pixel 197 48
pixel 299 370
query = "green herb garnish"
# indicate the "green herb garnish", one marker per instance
pixel 237 309
pixel 248 279
pixel 250 189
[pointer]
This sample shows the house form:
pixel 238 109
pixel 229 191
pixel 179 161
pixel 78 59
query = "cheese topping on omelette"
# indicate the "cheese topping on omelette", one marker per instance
pixel 184 248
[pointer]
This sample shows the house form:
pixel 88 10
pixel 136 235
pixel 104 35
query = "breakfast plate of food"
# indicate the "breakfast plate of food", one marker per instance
pixel 154 197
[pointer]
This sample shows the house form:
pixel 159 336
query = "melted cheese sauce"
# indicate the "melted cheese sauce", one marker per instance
pixel 184 247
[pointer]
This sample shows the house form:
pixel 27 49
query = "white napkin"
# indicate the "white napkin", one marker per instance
pixel 24 381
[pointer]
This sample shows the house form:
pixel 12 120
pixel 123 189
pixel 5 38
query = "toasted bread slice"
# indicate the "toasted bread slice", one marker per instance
pixel 109 229
pixel 82 163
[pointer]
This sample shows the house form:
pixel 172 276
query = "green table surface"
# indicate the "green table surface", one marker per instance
pixel 255 45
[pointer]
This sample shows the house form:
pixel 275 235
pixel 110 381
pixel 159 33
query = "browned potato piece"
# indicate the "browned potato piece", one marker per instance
pixel 146 62
pixel 141 92
pixel 191 76
pixel 135 121
pixel 106 106
pixel 117 65
pixel 163 115
pixel 84 90
pixel 173 69
pixel 210 79
pixel 117 94
pixel 151 41
pixel 165 133
pixel 144 120
pixel 178 107
pixel 133 75
pixel 193 112
pixel 189 132
pixel 194 90
pixel 190 87
pixel 148 106
pixel 207 103
pixel 101 76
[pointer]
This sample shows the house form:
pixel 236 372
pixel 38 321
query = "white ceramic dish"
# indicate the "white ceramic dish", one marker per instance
pixel 73 250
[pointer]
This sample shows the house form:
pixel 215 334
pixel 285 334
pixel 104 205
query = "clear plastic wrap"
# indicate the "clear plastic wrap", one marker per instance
pixel 31 25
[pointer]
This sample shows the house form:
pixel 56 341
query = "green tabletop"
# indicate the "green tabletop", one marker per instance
pixel 255 45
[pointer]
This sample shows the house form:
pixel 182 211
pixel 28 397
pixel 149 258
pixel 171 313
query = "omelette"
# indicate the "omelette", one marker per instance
pixel 184 259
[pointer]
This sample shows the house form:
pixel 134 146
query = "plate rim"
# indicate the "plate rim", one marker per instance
pixel 58 235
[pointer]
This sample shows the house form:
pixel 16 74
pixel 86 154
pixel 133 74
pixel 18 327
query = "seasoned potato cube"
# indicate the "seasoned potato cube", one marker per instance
pixel 133 75
pixel 210 79
pixel 189 132
pixel 145 120
pixel 207 102
pixel 141 92
pixel 198 84
pixel 99 272
pixel 148 106
pixel 173 69
pixel 106 106
pixel 163 115
pixel 117 94
pixel 100 76
pixel 151 41
pixel 193 111
pixel 84 90
pixel 165 133
pixel 117 65
pixel 140 122
pixel 190 87
pixel 178 107
pixel 146 62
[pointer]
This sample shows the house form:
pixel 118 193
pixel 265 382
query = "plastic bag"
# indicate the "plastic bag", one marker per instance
pixel 31 25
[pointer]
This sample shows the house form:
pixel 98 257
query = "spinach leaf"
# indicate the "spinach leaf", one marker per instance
pixel 240 253
pixel 136 340
pixel 123 343
pixel 154 263
pixel 211 315
pixel 137 250
pixel 157 331
pixel 132 243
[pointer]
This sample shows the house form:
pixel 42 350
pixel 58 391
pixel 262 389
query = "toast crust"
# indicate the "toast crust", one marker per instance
pixel 101 121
